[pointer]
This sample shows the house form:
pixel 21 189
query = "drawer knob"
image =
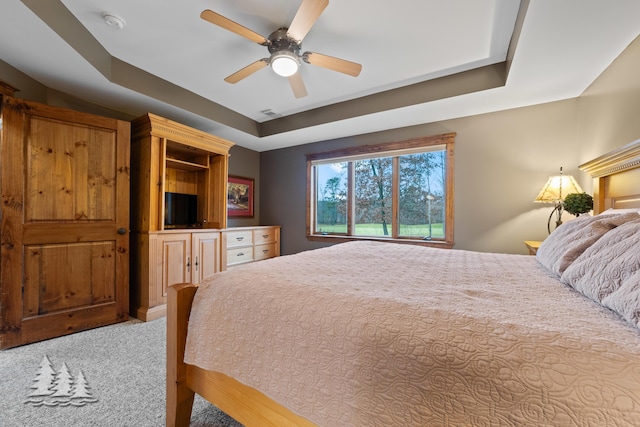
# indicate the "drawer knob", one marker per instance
pixel 264 251
pixel 264 236
pixel 240 254
pixel 239 238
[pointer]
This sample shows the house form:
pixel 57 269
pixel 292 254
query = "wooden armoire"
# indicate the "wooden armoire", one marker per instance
pixel 64 178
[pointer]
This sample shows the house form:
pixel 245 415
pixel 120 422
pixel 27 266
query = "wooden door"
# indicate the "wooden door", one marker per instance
pixel 206 255
pixel 65 219
pixel 175 261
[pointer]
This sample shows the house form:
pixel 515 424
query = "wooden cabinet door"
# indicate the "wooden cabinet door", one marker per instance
pixel 206 254
pixel 65 220
pixel 175 261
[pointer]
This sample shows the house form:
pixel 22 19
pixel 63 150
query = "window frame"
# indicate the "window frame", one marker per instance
pixel 389 149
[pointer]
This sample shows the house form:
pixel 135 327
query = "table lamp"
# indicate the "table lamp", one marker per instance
pixel 554 191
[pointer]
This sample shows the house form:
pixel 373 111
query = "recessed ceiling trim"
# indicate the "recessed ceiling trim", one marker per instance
pixel 66 25
pixel 475 80
pixel 62 22
pixel 141 81
pixel 517 31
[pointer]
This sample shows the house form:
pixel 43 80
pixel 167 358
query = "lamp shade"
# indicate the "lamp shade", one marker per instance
pixel 557 188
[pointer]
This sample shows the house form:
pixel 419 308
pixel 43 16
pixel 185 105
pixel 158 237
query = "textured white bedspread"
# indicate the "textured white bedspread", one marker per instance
pixel 380 334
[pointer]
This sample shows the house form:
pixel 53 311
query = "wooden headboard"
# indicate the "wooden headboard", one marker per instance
pixel 616 178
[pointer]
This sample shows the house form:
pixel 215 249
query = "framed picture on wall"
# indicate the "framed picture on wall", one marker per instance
pixel 240 197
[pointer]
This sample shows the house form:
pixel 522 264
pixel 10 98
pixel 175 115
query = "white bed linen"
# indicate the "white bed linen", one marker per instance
pixel 380 334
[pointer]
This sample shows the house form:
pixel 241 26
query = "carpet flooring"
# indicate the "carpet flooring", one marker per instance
pixel 112 376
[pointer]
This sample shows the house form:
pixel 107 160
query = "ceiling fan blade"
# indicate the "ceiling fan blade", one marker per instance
pixel 331 63
pixel 234 27
pixel 297 85
pixel 247 71
pixel 307 14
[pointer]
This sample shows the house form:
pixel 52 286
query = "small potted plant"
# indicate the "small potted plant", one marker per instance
pixel 578 203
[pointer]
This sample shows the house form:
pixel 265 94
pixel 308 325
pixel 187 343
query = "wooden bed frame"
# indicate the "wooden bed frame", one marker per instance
pixel 616 178
pixel 616 184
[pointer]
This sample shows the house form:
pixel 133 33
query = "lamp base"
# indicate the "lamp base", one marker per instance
pixel 558 211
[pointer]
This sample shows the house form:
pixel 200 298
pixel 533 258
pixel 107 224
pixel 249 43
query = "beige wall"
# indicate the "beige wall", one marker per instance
pixel 609 109
pixel 502 161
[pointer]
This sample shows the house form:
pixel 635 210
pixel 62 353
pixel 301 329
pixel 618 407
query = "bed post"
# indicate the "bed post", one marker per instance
pixel 179 396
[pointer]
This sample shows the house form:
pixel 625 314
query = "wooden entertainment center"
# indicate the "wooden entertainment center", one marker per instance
pixel 170 157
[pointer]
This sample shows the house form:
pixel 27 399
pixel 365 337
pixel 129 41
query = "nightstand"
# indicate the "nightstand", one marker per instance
pixel 532 245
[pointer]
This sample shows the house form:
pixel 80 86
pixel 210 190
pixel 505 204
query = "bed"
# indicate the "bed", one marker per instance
pixel 367 333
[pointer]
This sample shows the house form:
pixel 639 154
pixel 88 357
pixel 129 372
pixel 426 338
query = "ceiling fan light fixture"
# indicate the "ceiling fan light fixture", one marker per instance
pixel 284 63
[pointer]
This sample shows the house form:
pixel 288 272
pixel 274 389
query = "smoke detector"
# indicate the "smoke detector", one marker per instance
pixel 113 21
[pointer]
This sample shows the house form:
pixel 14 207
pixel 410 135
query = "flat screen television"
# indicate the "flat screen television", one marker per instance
pixel 180 210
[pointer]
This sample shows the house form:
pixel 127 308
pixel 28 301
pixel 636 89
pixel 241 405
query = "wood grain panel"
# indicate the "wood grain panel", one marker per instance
pixel 69 321
pixel 205 250
pixel 180 181
pixel 71 172
pixel 175 261
pixel 61 277
pixel 11 180
pixel 217 206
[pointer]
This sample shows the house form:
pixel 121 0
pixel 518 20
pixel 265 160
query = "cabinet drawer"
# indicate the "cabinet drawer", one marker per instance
pixel 240 238
pixel 264 251
pixel 239 255
pixel 266 235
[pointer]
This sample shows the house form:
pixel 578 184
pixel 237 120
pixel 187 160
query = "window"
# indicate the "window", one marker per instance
pixel 399 191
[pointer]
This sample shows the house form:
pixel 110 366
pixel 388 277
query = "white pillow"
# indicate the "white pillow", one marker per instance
pixel 602 267
pixel 571 239
pixel 626 300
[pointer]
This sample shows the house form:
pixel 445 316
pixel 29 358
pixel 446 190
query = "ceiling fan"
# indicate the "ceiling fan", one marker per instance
pixel 284 45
